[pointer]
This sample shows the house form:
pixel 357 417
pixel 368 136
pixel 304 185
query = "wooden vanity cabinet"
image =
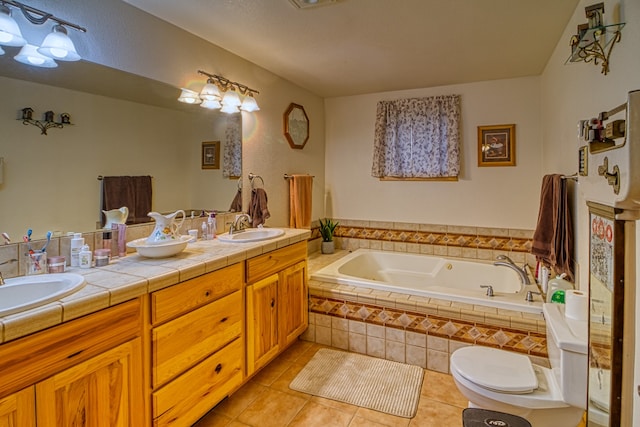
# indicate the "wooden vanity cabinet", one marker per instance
pixel 277 303
pixel 84 372
pixel 197 345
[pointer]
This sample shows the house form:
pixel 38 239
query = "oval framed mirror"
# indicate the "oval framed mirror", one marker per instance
pixel 296 126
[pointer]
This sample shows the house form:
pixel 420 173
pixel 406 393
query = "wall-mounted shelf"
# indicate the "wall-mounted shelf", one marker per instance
pixel 595 44
pixel 47 123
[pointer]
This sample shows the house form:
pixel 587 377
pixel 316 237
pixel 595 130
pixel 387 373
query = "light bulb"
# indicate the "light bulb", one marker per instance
pixel 189 97
pixel 231 98
pixel 209 92
pixel 249 104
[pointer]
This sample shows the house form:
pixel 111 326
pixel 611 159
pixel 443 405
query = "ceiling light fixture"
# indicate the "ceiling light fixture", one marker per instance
pixel 30 55
pixel 56 46
pixel 220 93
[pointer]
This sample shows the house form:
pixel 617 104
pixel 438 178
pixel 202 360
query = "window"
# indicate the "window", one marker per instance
pixel 417 138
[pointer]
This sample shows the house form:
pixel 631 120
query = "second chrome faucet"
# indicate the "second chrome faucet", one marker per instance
pixel 505 261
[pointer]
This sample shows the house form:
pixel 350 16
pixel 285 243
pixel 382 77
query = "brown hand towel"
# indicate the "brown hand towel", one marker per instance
pixel 236 204
pixel 553 238
pixel 258 210
pixel 300 194
pixel 134 192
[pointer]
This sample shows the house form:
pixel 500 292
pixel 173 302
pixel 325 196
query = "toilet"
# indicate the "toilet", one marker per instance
pixel 508 382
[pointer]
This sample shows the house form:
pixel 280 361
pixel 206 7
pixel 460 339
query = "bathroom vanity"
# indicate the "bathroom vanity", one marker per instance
pixel 163 357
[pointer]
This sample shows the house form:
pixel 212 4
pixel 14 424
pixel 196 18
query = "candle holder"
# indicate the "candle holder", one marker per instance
pixel 47 123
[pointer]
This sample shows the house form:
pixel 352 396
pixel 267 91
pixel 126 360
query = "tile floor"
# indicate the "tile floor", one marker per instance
pixel 267 401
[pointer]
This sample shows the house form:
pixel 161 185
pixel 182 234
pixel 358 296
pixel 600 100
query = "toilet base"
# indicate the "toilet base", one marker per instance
pixel 568 416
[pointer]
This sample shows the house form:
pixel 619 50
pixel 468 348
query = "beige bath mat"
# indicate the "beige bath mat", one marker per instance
pixel 381 385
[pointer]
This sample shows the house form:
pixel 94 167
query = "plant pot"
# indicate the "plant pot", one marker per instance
pixel 328 247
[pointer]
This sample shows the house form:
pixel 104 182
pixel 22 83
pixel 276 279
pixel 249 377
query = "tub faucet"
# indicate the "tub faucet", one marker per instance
pixel 505 261
pixel 3 263
pixel 489 289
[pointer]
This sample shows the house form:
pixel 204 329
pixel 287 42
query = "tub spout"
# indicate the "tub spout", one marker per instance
pixel 507 262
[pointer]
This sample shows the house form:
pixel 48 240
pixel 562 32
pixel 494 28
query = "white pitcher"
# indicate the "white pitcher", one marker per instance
pixel 115 216
pixel 166 228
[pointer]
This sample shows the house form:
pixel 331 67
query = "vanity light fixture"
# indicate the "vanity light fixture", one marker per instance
pixel 29 55
pixel 56 46
pixel 220 93
pixel 47 123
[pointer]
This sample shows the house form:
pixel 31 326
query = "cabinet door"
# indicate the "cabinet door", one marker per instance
pixel 106 390
pixel 18 409
pixel 293 313
pixel 262 322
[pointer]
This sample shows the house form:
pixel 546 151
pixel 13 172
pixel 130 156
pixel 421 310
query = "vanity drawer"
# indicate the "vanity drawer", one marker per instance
pixel 181 343
pixel 184 297
pixel 273 262
pixel 187 398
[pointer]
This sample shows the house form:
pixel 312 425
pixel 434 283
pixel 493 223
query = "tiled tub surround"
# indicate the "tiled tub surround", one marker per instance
pixel 62 245
pixel 433 239
pixel 129 277
pixel 416 330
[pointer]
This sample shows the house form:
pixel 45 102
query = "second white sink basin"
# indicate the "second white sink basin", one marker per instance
pixel 25 292
pixel 251 235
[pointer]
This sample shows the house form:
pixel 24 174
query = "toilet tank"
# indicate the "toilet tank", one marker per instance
pixel 567 348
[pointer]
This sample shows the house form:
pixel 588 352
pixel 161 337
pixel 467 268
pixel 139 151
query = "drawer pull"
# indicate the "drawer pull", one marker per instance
pixel 224 319
pixel 207 293
pixel 72 355
pixel 273 302
pixel 218 368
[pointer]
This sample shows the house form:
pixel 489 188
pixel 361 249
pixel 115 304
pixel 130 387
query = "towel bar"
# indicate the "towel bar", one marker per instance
pixel 286 176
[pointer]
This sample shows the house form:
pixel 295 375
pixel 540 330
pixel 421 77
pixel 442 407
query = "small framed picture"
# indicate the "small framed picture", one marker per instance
pixel 211 155
pixel 497 145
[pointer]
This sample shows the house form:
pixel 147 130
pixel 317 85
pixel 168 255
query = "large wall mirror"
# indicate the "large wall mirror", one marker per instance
pixel 123 124
pixel 606 315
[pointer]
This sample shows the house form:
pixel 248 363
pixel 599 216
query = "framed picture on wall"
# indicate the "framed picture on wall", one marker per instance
pixel 211 155
pixel 497 145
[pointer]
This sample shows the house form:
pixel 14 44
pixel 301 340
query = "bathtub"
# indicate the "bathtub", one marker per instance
pixel 432 277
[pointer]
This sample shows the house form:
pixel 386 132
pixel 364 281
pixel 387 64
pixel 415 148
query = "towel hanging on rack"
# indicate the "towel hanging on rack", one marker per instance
pixel 553 237
pixel 300 196
pixel 134 192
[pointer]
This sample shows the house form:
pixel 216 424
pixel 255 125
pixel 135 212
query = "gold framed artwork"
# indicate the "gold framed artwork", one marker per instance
pixel 296 126
pixel 211 155
pixel 497 145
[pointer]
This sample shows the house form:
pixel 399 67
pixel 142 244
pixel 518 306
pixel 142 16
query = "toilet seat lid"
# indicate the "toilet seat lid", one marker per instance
pixel 494 369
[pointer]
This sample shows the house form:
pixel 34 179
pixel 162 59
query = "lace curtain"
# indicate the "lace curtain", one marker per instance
pixel 417 138
pixel 232 154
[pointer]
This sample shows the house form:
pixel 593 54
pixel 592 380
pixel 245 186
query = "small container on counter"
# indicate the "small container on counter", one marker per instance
pixel 101 257
pixel 85 257
pixel 56 264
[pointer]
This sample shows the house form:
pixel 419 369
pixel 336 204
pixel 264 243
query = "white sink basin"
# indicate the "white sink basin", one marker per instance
pixel 251 235
pixel 160 250
pixel 23 293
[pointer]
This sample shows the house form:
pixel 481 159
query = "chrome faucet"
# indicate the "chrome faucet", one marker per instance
pixel 241 223
pixel 3 263
pixel 505 261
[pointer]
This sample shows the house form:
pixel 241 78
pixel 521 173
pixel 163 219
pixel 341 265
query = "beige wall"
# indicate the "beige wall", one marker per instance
pixel 579 91
pixel 504 197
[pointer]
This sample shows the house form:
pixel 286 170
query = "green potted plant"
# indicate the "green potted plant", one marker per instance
pixel 326 231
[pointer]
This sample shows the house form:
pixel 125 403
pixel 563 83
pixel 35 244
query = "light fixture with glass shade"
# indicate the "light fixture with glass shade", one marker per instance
pixel 56 46
pixel 29 55
pixel 189 97
pixel 10 34
pixel 211 95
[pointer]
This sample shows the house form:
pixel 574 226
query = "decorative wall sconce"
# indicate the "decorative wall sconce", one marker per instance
pixel 56 45
pixel 223 94
pixel 594 40
pixel 47 123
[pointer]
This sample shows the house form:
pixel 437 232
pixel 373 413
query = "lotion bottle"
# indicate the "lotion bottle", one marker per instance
pixel 85 257
pixel 76 245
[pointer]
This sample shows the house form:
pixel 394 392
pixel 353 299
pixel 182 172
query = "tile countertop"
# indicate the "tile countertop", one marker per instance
pixel 129 277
